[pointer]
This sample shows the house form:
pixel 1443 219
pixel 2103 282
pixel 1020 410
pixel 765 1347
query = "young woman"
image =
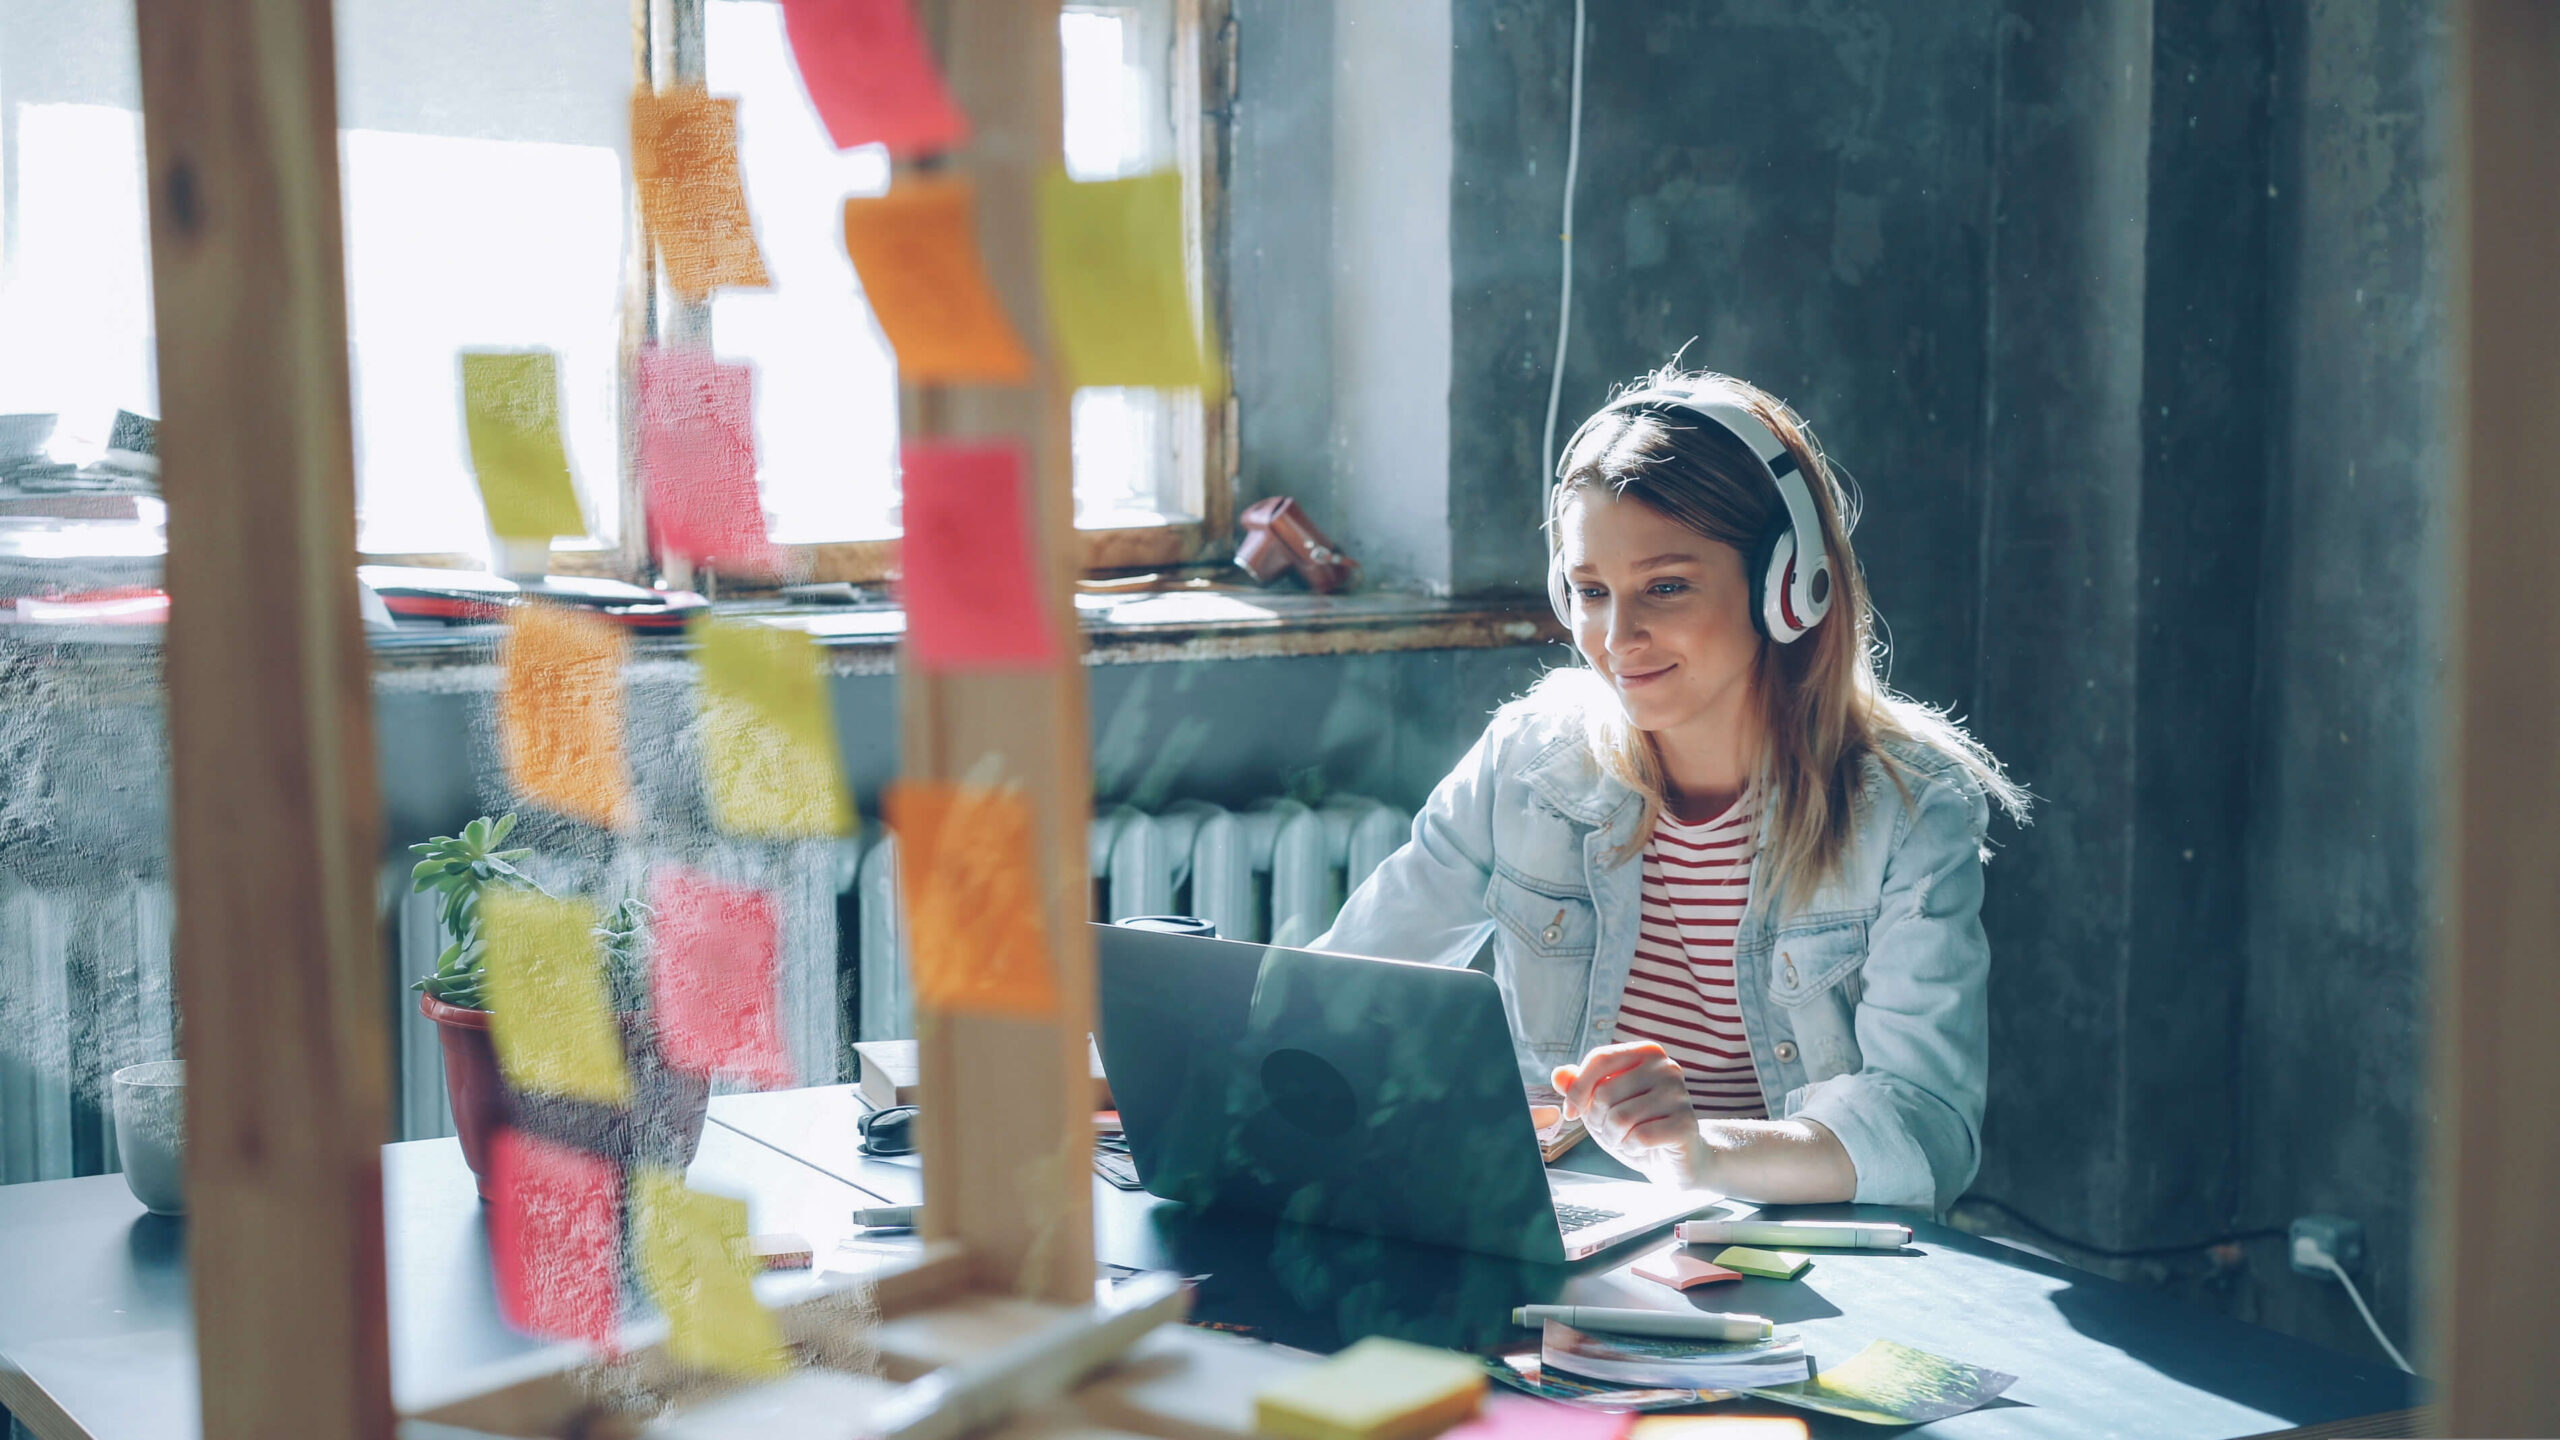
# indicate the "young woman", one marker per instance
pixel 1733 883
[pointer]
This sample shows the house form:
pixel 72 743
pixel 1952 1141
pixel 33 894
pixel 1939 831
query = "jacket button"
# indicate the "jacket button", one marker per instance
pixel 1551 935
pixel 1786 1052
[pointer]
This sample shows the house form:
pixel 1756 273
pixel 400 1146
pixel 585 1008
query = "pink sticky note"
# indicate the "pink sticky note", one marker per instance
pixel 1682 1271
pixel 969 585
pixel 871 76
pixel 698 450
pixel 555 1239
pixel 1525 1417
pixel 712 974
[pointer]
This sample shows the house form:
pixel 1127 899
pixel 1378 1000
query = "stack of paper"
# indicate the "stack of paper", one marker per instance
pixel 1683 1364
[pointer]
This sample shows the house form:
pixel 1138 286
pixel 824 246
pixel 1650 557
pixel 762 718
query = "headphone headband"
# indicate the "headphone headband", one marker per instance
pixel 1794 592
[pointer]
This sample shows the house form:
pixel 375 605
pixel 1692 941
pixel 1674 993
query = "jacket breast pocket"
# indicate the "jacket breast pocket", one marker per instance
pixel 1552 924
pixel 1543 943
pixel 1815 960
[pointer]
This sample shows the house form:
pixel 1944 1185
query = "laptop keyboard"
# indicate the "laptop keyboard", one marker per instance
pixel 1580 1217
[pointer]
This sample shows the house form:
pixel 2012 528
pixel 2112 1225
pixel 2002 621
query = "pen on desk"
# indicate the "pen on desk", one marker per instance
pixel 1795 1234
pixel 1663 1324
pixel 889 1217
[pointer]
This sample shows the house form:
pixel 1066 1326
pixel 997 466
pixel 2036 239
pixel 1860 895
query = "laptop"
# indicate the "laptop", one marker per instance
pixel 1369 1095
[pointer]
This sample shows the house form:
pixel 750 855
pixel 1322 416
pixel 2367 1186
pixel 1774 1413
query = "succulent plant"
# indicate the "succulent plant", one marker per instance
pixel 460 868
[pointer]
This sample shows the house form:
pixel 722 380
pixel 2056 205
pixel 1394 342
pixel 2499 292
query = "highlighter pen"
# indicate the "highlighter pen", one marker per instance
pixel 1663 1324
pixel 1795 1234
pixel 889 1217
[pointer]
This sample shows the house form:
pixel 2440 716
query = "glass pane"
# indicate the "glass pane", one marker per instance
pixel 482 160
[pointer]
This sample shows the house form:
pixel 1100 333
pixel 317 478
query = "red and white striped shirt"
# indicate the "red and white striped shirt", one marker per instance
pixel 1680 992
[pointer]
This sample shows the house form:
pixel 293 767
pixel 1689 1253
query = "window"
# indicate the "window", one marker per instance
pixel 826 421
pixel 484 165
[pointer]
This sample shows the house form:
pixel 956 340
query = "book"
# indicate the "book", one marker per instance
pixel 890 1069
pixel 1684 1364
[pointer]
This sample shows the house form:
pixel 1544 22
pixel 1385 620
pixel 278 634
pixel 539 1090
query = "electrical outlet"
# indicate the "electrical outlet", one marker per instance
pixel 2335 1236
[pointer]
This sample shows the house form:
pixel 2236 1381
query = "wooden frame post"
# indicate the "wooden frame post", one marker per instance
pixel 275 838
pixel 2498 1072
pixel 1008 1104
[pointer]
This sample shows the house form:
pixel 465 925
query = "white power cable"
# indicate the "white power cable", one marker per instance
pixel 2322 1261
pixel 1564 300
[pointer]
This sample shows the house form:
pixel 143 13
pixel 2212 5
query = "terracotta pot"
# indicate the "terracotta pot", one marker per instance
pixel 663 1128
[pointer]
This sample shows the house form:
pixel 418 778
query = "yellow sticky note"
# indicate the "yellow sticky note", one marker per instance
pixel 511 415
pixel 695 1261
pixel 1111 256
pixel 967 874
pixel 1767 1264
pixel 550 1012
pixel 916 249
pixel 1379 1389
pixel 769 753
pixel 560 714
pixel 684 159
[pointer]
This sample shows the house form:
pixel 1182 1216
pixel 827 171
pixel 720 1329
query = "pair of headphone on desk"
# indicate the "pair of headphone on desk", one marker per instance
pixel 1789 568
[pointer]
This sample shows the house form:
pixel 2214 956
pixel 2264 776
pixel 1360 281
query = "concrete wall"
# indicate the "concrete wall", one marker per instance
pixel 2127 317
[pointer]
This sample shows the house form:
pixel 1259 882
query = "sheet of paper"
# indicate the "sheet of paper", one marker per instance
pixel 871 77
pixel 560 714
pixel 511 416
pixel 694 1261
pixel 555 1239
pixel 1111 256
pixel 714 977
pixel 551 1011
pixel 768 732
pixel 1891 1384
pixel 916 249
pixel 698 452
pixel 684 157
pixel 966 575
pixel 968 877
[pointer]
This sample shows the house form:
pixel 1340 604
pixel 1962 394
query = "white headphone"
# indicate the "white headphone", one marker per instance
pixel 1787 598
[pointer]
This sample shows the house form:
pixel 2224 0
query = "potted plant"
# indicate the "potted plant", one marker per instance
pixel 665 1122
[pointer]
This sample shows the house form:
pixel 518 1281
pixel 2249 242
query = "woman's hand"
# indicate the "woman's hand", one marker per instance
pixel 1635 1102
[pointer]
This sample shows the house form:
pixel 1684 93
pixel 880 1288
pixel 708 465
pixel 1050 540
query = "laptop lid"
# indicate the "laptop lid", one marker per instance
pixel 1368 1095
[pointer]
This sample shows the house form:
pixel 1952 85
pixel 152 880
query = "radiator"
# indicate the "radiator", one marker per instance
pixel 1274 872
pixel 84 992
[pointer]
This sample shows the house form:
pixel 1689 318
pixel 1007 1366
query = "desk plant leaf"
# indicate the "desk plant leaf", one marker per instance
pixel 459 869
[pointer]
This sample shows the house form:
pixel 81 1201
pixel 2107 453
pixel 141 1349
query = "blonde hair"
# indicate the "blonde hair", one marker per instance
pixel 1824 706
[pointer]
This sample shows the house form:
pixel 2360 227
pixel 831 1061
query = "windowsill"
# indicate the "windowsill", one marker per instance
pixel 1140 628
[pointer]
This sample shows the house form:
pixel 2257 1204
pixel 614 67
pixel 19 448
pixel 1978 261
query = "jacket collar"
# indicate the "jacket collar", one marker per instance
pixel 1566 776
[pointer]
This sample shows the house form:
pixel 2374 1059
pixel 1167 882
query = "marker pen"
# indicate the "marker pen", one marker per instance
pixel 889 1217
pixel 1663 1324
pixel 1795 1234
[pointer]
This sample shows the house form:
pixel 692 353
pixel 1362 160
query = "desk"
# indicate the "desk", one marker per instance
pixel 96 1335
pixel 2092 1356
pixel 96 1340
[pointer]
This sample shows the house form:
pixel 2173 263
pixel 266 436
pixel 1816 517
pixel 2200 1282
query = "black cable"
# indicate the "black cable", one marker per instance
pixel 2148 1252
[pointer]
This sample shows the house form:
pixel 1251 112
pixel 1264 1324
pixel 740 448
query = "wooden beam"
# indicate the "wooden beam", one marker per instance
pixel 2498 1073
pixel 1007 1123
pixel 275 837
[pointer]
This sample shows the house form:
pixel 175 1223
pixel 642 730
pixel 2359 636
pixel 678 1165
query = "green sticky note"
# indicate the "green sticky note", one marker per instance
pixel 511 412
pixel 693 1258
pixel 1119 289
pixel 769 753
pixel 1767 1264
pixel 551 1015
pixel 1379 1389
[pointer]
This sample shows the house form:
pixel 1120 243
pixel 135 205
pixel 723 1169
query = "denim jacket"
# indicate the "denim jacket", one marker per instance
pixel 1864 1001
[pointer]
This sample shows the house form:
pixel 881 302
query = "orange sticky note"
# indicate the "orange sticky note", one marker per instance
pixel 916 249
pixel 1119 289
pixel 769 753
pixel 551 1015
pixel 684 156
pixel 511 416
pixel 560 714
pixel 695 1261
pixel 968 878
